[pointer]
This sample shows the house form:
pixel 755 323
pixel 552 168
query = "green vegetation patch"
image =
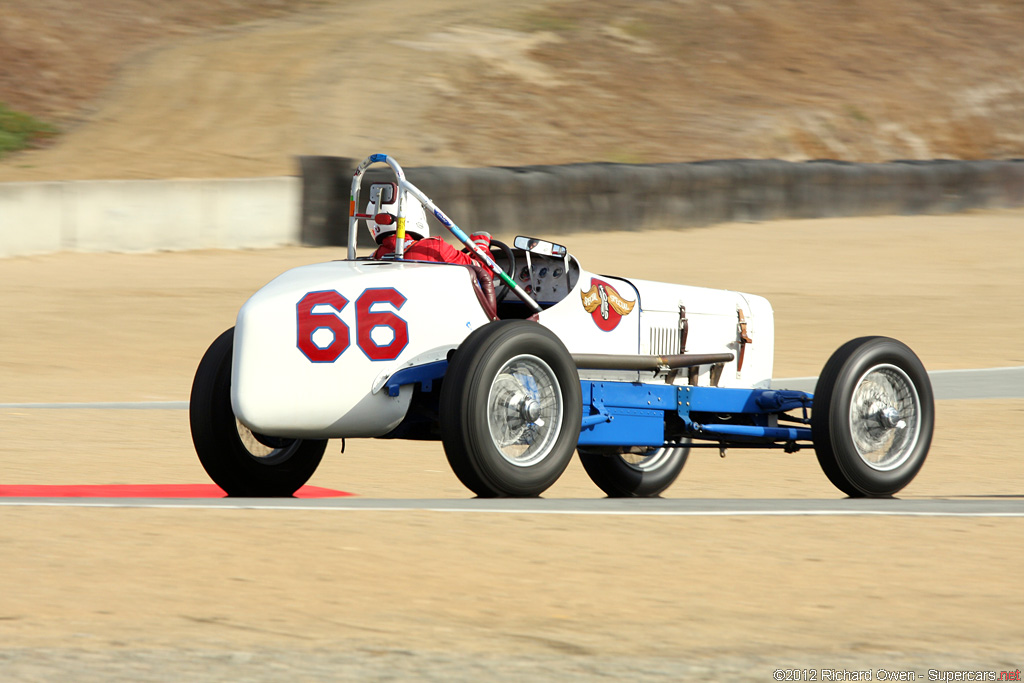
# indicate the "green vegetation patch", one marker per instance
pixel 21 131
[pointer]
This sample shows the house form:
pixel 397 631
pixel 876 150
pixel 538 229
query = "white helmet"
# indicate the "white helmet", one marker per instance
pixel 415 217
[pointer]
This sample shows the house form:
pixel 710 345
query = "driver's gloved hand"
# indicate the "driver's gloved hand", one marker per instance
pixel 482 240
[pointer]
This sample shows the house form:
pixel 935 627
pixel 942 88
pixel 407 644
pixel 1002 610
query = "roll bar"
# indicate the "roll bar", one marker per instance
pixel 405 186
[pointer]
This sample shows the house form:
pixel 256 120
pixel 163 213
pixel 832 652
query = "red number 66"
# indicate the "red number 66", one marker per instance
pixel 367 320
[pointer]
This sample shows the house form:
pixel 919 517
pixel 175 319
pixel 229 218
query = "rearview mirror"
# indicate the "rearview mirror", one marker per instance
pixel 539 246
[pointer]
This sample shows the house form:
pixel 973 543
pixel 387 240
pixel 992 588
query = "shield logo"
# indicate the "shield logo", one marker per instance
pixel 605 305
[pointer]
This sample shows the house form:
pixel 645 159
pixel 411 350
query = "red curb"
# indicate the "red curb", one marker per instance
pixel 143 491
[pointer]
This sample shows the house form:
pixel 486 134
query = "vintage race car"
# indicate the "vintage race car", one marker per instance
pixel 521 361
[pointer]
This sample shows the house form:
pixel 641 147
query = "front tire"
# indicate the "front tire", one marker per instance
pixel 511 407
pixel 873 417
pixel 240 461
pixel 635 473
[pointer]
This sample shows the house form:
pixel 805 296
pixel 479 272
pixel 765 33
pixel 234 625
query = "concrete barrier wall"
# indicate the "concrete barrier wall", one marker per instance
pixel 147 215
pixel 31 218
pixel 545 200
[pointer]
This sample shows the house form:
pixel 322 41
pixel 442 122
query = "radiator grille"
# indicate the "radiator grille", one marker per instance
pixel 664 341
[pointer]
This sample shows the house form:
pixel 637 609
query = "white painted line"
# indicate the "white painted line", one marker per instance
pixel 1012 510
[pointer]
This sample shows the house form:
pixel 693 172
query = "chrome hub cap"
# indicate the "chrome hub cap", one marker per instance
pixel 524 410
pixel 885 417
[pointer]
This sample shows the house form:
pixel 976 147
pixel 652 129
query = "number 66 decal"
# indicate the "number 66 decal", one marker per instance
pixel 323 337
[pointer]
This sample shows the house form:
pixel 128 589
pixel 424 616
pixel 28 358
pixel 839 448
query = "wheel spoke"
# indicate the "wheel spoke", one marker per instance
pixel 643 459
pixel 267 450
pixel 524 408
pixel 885 417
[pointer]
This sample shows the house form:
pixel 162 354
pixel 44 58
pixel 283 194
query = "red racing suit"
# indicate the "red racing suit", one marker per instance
pixel 436 249
pixel 429 249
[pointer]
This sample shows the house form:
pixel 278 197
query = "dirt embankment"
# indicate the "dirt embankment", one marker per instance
pixel 218 88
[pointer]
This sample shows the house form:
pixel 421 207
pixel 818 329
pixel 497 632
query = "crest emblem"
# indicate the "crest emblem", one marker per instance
pixel 605 305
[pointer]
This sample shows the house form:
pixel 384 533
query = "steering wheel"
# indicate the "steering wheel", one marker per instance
pixel 501 287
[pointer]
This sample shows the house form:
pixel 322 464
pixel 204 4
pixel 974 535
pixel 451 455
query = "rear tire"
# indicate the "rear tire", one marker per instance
pixel 238 460
pixel 637 473
pixel 873 417
pixel 511 407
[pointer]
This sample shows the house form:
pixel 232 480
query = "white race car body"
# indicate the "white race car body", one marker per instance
pixel 627 373
pixel 314 348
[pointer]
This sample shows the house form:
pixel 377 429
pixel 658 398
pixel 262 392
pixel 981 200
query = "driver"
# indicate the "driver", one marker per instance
pixel 419 245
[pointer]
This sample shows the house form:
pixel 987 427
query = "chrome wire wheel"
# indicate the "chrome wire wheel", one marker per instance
pixel 633 471
pixel 240 461
pixel 524 408
pixel 873 417
pixel 646 459
pixel 268 450
pixel 885 417
pixel 510 409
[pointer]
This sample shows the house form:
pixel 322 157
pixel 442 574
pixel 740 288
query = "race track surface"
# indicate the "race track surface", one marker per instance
pixel 751 563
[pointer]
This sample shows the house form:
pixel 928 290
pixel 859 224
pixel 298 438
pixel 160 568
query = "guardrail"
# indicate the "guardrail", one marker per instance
pixel 548 200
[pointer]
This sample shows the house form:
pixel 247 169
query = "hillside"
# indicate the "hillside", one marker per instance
pixel 226 88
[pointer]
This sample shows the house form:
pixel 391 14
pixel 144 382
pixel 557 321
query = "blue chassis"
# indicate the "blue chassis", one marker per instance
pixel 636 414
